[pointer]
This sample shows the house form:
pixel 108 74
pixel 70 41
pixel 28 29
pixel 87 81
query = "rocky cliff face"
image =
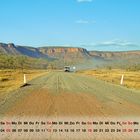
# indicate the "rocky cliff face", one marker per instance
pixel 8 49
pixel 115 55
pixel 63 52
pixel 45 52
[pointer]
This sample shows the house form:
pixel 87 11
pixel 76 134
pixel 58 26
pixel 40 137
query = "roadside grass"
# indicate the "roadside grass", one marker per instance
pixel 13 79
pixel 131 78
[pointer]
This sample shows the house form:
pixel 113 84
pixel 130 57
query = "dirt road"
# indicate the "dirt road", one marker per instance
pixel 70 94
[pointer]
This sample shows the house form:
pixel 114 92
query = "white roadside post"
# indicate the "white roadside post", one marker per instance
pixel 25 81
pixel 122 80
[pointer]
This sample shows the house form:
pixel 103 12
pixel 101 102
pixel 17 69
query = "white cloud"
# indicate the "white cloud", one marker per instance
pixel 113 45
pixel 93 21
pixel 117 42
pixel 81 21
pixel 84 0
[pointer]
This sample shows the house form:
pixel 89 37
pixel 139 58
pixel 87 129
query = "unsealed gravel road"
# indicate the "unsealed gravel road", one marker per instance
pixel 70 94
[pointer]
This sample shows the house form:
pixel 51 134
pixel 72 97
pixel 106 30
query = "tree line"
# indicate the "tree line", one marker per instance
pixel 25 62
pixel 21 62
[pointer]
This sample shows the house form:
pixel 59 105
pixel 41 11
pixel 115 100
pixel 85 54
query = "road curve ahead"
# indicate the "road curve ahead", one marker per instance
pixel 71 94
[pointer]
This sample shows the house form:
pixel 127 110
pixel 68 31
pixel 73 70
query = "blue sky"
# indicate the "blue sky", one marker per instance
pixel 86 23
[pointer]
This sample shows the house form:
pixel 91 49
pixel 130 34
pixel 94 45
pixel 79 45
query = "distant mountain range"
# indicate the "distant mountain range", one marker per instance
pixel 62 52
pixel 70 54
pixel 115 55
pixel 44 52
